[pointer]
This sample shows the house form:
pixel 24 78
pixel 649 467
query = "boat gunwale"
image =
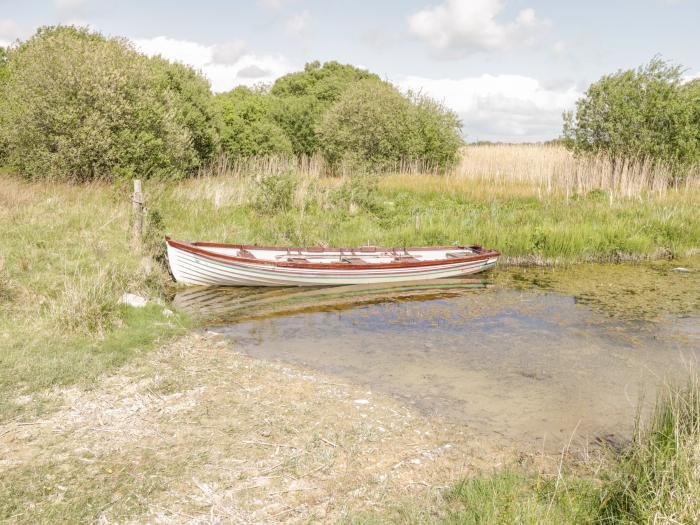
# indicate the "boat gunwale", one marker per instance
pixel 200 249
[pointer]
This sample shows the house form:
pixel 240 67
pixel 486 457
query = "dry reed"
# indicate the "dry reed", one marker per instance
pixel 554 169
pixel 551 169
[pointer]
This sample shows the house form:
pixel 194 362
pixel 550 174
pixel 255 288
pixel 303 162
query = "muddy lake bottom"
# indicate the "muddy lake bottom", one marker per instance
pixel 527 356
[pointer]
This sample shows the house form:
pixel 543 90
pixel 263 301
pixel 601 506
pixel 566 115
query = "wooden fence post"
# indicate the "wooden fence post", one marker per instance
pixel 137 212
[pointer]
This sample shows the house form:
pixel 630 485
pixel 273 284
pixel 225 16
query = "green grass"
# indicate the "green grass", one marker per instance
pixel 425 210
pixel 515 496
pixel 73 491
pixel 65 261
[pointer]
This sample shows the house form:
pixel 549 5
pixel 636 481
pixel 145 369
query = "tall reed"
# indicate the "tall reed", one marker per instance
pixel 554 169
pixel 551 169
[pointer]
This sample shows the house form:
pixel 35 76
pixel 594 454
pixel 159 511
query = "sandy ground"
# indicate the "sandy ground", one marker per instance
pixel 198 433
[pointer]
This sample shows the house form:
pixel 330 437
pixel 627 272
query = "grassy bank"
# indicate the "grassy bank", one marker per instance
pixel 522 218
pixel 65 261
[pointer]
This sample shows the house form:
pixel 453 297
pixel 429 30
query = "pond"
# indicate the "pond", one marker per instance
pixel 527 355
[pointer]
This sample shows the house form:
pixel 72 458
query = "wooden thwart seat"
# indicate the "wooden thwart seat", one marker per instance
pixel 353 260
pixel 405 258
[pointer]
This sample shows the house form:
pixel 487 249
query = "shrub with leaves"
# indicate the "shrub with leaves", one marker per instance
pixel 79 106
pixel 248 127
pixel 375 123
pixel 359 191
pixel 646 114
pixel 304 97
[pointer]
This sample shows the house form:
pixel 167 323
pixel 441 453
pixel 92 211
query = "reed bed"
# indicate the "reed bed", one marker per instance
pixel 545 169
pixel 555 169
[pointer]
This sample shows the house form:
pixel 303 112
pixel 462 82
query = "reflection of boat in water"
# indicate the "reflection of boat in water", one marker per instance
pixel 225 303
pixel 204 263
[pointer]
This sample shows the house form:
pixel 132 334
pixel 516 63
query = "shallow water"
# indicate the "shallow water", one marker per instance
pixel 526 355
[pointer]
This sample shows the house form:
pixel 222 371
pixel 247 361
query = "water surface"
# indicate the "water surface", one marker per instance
pixel 526 355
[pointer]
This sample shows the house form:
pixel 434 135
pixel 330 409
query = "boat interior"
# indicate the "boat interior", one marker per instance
pixel 350 256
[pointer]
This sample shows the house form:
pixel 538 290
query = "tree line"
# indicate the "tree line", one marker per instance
pixel 77 105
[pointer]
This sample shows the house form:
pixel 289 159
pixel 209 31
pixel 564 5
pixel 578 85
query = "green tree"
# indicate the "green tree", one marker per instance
pixel 375 124
pixel 248 126
pixel 80 106
pixel 645 113
pixel 192 97
pixel 306 95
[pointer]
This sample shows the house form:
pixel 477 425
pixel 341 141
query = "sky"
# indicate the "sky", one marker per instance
pixel 508 68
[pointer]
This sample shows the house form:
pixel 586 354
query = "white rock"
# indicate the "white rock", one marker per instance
pixel 362 401
pixel 133 300
pixel 167 312
pixel 681 269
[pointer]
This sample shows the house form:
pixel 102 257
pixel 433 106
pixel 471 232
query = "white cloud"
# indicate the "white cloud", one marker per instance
pixel 192 53
pixel 10 30
pixel 298 24
pixel 218 62
pixel 459 27
pixel 691 76
pixel 509 108
pixel 229 52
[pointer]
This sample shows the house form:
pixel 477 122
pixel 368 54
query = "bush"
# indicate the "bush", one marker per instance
pixel 374 123
pixel 647 113
pixel 248 127
pixel 4 74
pixel 306 95
pixel 81 106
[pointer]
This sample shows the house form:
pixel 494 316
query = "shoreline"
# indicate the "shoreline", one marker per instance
pixel 227 435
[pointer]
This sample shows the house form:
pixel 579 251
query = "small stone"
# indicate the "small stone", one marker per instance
pixel 133 300
pixel 681 269
pixel 362 401
pixel 415 461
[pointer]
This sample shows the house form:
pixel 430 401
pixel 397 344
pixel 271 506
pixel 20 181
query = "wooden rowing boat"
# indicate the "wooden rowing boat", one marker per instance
pixel 208 263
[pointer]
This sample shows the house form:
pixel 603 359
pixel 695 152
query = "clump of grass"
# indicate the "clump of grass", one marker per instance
pixel 275 192
pixel 555 169
pixel 87 304
pixel 357 193
pixel 516 496
pixel 656 479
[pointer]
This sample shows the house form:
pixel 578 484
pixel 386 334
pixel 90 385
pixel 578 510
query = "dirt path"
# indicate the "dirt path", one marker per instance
pixel 197 433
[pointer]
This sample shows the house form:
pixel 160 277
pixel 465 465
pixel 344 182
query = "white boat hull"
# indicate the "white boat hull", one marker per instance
pixel 214 267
